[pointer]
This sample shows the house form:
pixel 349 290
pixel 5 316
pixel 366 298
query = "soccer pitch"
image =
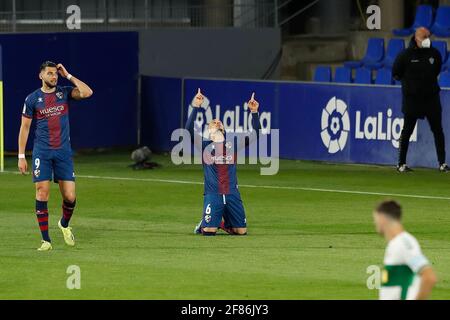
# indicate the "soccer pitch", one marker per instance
pixel 307 239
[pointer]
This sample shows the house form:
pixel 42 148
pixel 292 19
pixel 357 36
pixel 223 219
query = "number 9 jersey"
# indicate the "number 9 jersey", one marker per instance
pixel 52 152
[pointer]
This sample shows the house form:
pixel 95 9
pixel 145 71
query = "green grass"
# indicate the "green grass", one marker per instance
pixel 135 241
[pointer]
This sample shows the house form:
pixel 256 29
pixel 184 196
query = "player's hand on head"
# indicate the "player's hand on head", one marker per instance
pixel 23 166
pixel 62 70
pixel 198 99
pixel 253 104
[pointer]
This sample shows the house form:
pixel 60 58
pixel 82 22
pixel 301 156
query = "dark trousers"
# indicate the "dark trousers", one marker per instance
pixel 435 121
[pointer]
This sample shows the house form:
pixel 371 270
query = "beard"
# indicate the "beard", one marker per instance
pixel 49 84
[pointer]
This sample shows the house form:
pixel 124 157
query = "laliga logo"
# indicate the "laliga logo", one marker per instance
pixel 231 118
pixel 335 125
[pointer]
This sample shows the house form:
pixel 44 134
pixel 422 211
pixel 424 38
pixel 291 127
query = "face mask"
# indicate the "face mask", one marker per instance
pixel 426 43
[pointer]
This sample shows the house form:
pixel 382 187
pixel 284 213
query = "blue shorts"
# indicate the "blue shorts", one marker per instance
pixel 56 165
pixel 226 206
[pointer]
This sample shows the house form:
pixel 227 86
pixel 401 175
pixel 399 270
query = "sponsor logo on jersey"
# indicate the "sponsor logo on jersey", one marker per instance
pixel 51 111
pixel 218 159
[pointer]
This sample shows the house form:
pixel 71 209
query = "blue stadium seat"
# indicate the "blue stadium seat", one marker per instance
pixel 424 18
pixel 446 64
pixel 384 76
pixel 322 74
pixel 374 55
pixel 343 75
pixel 441 46
pixel 441 26
pixel 395 46
pixel 363 76
pixel 444 80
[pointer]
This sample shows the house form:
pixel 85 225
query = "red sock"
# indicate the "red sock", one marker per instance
pixel 42 218
pixel 67 208
pixel 227 230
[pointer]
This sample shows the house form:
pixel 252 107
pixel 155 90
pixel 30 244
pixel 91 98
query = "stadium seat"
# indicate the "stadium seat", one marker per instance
pixel 441 26
pixel 441 46
pixel 395 46
pixel 424 18
pixel 444 80
pixel 446 65
pixel 363 76
pixel 343 75
pixel 374 55
pixel 384 77
pixel 322 74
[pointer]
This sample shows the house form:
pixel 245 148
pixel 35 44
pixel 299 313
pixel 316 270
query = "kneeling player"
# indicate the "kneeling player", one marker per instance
pixel 222 199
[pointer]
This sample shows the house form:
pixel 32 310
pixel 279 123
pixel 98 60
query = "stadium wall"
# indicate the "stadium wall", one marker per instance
pixel 251 53
pixel 108 62
pixel 161 105
pixel 324 122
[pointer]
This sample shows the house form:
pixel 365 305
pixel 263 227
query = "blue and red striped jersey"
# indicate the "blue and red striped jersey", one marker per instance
pixel 51 113
pixel 220 160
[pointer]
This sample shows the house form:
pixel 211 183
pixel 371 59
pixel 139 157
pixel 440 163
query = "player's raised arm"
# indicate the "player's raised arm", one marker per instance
pixel 23 138
pixel 81 90
pixel 198 100
pixel 253 105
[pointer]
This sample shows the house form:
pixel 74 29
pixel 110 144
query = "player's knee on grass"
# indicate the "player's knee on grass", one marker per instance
pixel 240 231
pixel 209 231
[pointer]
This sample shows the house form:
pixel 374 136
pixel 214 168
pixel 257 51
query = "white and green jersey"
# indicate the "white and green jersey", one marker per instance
pixel 403 261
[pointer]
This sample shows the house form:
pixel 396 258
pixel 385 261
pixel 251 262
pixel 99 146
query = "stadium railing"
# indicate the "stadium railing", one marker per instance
pixel 111 18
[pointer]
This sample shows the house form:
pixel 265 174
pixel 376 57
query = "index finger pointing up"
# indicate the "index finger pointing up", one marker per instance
pixel 253 96
pixel 199 92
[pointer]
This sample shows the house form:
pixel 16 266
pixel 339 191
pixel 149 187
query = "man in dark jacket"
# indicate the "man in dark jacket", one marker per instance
pixel 418 68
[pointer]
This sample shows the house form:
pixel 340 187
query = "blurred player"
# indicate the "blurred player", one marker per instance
pixel 52 153
pixel 222 199
pixel 407 274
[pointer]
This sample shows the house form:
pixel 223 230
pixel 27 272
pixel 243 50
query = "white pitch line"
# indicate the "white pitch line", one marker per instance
pixel 385 194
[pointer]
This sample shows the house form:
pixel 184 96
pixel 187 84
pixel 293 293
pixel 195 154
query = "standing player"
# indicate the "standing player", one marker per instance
pixel 52 153
pixel 221 196
pixel 407 273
